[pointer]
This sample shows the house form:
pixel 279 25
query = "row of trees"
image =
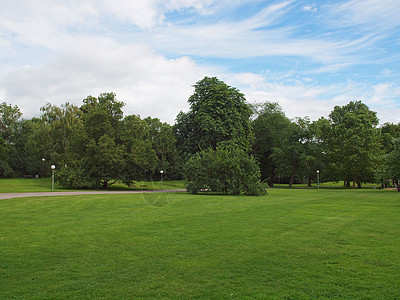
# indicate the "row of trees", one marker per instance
pixel 95 144
pixel 345 146
pixel 92 145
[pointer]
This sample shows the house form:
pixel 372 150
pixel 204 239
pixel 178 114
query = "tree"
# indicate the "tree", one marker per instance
pixel 388 132
pixel 106 147
pixel 140 156
pixel 163 142
pixel 104 161
pixel 295 147
pixel 217 113
pixel 315 152
pixel 391 165
pixel 10 129
pixel 352 142
pixel 97 155
pixel 271 130
pixel 62 122
pixel 227 169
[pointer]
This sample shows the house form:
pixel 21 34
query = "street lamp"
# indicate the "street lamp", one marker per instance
pixel 318 178
pixel 161 173
pixel 43 167
pixel 53 167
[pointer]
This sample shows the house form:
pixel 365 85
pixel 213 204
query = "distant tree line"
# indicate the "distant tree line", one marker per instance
pixel 217 145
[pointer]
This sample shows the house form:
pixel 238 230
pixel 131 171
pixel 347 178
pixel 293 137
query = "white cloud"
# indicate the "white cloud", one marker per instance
pixel 310 8
pixel 304 98
pixel 149 83
pixel 63 50
pixel 375 15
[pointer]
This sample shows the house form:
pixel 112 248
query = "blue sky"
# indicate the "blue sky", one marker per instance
pixel 307 55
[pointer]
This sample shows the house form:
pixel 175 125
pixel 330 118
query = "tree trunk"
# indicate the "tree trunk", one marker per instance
pixel 359 185
pixel 309 180
pixel 105 184
pixel 292 177
pixel 271 178
pixel 354 182
pixel 347 183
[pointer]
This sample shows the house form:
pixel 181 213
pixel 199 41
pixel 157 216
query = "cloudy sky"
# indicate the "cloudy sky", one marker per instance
pixel 307 55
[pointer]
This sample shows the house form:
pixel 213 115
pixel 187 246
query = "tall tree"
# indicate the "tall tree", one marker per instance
pixel 295 147
pixel 62 122
pixel 352 142
pixel 10 129
pixel 97 152
pixel 391 168
pixel 164 144
pixel 217 113
pixel 140 156
pixel 388 132
pixel 271 129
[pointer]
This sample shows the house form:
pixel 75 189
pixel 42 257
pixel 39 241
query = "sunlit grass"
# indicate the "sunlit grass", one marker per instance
pixel 294 244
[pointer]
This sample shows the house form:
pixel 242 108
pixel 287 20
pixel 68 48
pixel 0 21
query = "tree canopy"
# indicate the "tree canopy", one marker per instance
pixel 217 113
pixel 95 145
pixel 352 141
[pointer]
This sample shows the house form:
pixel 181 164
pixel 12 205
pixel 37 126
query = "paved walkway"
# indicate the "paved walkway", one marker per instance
pixel 44 194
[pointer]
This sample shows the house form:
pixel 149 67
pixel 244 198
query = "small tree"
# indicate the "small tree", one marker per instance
pixel 227 169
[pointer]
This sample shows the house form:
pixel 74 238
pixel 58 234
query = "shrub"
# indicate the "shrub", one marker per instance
pixel 227 170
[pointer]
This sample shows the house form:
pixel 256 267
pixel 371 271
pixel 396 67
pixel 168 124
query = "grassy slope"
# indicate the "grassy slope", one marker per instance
pixel 293 243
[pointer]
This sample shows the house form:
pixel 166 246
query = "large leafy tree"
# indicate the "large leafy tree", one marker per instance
pixel 10 132
pixel 388 132
pixel 272 130
pixel 140 157
pixel 391 168
pixel 217 113
pixel 97 156
pixel 163 142
pixel 387 170
pixel 352 142
pixel 107 147
pixel 54 134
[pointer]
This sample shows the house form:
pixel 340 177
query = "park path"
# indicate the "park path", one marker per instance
pixel 45 194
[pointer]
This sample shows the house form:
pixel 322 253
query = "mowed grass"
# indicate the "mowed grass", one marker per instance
pixel 292 244
pixel 27 185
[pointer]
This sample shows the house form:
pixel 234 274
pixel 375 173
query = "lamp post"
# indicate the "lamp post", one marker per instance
pixel 161 174
pixel 53 167
pixel 318 178
pixel 43 167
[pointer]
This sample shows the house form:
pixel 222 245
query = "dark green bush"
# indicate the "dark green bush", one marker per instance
pixel 227 170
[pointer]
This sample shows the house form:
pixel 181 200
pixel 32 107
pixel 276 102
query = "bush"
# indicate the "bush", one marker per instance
pixel 227 170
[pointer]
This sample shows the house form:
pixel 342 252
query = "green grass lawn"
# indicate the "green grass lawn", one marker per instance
pixel 27 185
pixel 291 244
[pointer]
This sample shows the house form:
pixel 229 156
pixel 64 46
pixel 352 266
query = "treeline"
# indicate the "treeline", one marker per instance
pixel 95 145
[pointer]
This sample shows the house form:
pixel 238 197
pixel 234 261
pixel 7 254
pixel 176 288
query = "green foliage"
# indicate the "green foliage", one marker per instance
pixel 164 144
pixel 12 141
pixel 139 157
pixel 388 132
pixel 97 156
pixel 272 133
pixel 392 162
pixel 217 113
pixel 108 147
pixel 228 170
pixel 352 142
